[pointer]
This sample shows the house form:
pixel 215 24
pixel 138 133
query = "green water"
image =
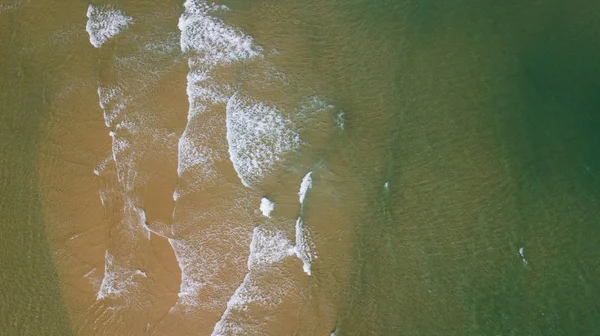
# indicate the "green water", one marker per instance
pixel 483 116
pixel 30 294
pixel 494 147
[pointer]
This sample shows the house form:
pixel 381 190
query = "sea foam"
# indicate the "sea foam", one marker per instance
pixel 105 22
pixel 208 43
pixel 112 102
pixel 6 7
pixel 258 136
pixel 266 206
pixel 268 247
pixel 117 279
pixel 201 255
pixel 210 38
pixel 304 186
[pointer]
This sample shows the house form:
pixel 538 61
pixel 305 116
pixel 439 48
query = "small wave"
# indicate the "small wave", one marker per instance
pixel 304 246
pixel 266 206
pixel 101 167
pixel 6 7
pixel 522 253
pixel 258 136
pixel 112 103
pixel 340 119
pixel 105 22
pixel 304 186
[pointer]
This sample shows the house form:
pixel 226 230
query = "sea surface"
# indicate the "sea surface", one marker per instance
pixel 261 167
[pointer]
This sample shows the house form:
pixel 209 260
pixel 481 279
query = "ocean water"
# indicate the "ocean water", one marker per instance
pixel 188 167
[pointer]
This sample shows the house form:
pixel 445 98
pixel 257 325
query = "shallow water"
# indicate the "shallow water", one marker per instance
pixel 430 167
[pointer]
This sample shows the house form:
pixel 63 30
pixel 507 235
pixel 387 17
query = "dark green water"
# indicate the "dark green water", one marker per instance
pixel 494 147
pixel 30 294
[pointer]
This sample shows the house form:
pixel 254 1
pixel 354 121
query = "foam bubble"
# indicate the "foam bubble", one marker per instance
pixel 105 22
pixel 304 186
pixel 266 206
pixel 258 137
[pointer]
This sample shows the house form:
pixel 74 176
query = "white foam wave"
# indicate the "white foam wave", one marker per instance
pixel 196 160
pixel 266 206
pixel 304 246
pixel 191 281
pixel 267 248
pixel 105 22
pixel 202 89
pixel 209 37
pixel 258 137
pixel 191 155
pixel 93 279
pixel 117 279
pixel 304 186
pixel 209 43
pixel 340 119
pixel 102 165
pixel 200 257
pixel 522 253
pixel 112 102
pixel 6 7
